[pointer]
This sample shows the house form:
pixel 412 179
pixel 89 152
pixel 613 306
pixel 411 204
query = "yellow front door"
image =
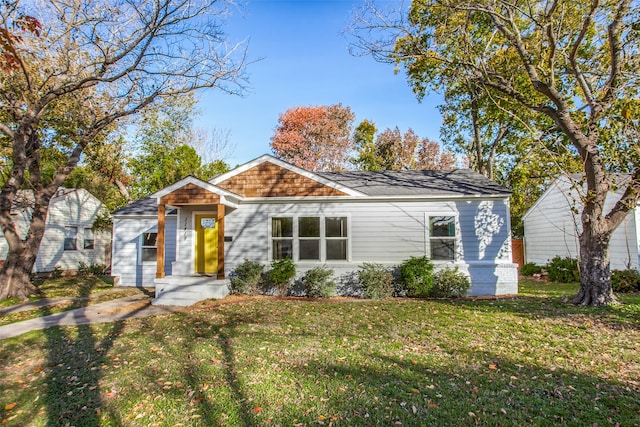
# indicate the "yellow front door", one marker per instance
pixel 206 244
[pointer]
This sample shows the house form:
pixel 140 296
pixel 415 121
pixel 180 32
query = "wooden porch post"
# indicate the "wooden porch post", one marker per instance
pixel 220 220
pixel 160 242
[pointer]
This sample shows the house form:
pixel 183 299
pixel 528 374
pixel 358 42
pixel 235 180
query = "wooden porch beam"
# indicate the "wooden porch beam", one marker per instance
pixel 160 242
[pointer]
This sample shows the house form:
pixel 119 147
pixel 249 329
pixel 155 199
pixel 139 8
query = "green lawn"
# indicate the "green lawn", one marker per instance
pixel 85 290
pixel 530 360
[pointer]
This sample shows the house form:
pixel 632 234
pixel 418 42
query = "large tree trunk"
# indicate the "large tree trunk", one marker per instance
pixel 595 273
pixel 15 275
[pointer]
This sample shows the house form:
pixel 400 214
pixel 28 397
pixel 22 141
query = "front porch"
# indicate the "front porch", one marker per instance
pixel 188 290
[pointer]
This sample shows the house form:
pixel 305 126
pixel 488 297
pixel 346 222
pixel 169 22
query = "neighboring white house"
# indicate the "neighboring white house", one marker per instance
pixel 268 209
pixel 552 226
pixel 68 237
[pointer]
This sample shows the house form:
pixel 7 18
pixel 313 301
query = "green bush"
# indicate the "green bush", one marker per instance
pixel 92 269
pixel 416 276
pixel 246 277
pixel 376 281
pixel 319 282
pixel 450 283
pixel 625 281
pixel 529 269
pixel 282 272
pixel 563 270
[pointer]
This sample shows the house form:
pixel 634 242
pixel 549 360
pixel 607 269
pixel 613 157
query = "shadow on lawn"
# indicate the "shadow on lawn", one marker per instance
pixel 229 405
pixel 76 357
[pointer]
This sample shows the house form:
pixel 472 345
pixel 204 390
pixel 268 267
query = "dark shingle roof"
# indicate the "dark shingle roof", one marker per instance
pixel 146 206
pixel 460 182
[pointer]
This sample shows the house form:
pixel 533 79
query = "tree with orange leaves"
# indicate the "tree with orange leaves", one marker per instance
pixel 316 138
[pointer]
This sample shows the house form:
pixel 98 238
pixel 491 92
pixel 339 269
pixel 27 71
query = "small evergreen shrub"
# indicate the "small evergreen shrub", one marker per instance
pixel 563 270
pixel 319 282
pixel 416 276
pixel 376 281
pixel 92 269
pixel 450 283
pixel 281 274
pixel 625 281
pixel 246 277
pixel 529 269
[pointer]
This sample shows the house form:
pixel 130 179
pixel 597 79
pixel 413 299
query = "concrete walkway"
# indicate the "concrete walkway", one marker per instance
pixel 105 312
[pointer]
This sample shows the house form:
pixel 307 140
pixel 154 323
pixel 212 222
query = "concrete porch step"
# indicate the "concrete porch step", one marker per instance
pixel 188 290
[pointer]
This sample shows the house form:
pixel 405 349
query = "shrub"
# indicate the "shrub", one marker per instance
pixel 529 269
pixel 282 272
pixel 625 281
pixel 376 281
pixel 416 276
pixel 319 282
pixel 246 277
pixel 450 283
pixel 85 269
pixel 563 270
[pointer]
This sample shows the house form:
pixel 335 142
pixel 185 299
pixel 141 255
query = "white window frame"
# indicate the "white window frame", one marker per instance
pixel 427 234
pixel 143 247
pixel 87 231
pixel 68 236
pixel 323 238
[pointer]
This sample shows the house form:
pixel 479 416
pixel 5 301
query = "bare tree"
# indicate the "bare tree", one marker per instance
pixel 93 65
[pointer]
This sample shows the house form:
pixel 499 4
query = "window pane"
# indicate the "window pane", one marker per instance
pixel 443 226
pixel 310 249
pixel 149 254
pixel 70 244
pixel 88 239
pixel 336 227
pixel 337 249
pixel 149 239
pixel 443 249
pixel 70 236
pixel 282 249
pixel 281 227
pixel 309 227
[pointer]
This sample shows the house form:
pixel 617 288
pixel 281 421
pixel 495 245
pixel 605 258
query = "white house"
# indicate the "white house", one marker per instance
pixel 194 232
pixel 552 226
pixel 68 237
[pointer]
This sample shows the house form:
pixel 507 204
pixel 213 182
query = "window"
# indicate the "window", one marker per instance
pixel 442 236
pixel 71 239
pixel 309 238
pixel 149 247
pixel 282 238
pixel 336 238
pixel 88 239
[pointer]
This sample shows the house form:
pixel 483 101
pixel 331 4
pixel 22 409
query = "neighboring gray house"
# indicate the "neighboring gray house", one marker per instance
pixel 268 209
pixel 68 237
pixel 552 226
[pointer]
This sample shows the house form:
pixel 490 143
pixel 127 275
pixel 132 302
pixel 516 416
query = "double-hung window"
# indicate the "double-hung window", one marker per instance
pixel 149 247
pixel 89 241
pixel 71 239
pixel 442 238
pixel 336 237
pixel 309 238
pixel 282 237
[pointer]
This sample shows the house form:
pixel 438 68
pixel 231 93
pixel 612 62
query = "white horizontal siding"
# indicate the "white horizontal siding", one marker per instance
pixel 387 233
pixel 126 263
pixel 79 209
pixel 553 224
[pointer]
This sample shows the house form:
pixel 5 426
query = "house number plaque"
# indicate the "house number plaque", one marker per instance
pixel 207 222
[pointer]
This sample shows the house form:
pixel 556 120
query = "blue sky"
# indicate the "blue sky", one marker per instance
pixel 305 61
